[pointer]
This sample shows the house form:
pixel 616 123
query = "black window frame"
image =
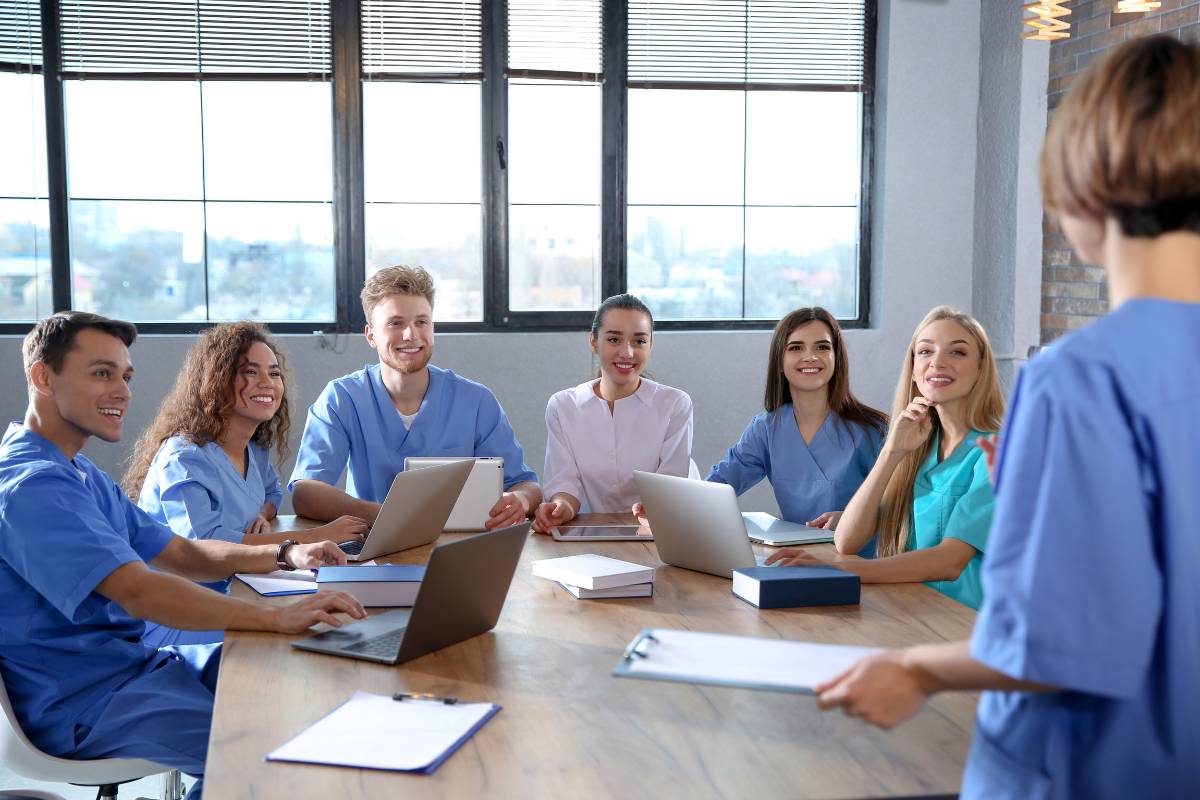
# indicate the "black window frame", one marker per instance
pixel 349 209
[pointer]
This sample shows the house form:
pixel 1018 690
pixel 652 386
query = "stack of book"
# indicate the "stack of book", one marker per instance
pixel 593 577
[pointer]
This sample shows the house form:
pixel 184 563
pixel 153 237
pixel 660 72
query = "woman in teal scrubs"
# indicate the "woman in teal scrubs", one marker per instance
pixel 927 497
pixel 814 441
pixel 1088 640
pixel 203 467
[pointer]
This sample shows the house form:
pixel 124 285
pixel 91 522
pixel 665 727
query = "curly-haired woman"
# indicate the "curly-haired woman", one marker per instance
pixel 204 465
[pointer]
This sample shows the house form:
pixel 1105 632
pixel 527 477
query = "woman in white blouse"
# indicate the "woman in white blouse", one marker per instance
pixel 599 432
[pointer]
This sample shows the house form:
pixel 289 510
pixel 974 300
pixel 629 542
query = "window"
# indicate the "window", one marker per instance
pixel 422 72
pixel 194 197
pixel 208 160
pixel 25 289
pixel 554 124
pixel 744 157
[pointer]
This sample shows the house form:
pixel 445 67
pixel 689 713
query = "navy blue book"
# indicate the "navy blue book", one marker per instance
pixel 790 587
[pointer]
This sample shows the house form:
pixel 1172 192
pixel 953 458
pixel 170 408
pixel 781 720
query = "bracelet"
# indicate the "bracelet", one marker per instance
pixel 281 554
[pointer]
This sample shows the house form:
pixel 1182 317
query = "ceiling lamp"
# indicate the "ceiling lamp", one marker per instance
pixel 1046 22
pixel 1125 6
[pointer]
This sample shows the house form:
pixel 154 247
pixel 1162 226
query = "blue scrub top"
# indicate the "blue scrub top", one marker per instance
pixel 199 493
pixel 65 526
pixel 355 421
pixel 808 479
pixel 1091 578
pixel 954 498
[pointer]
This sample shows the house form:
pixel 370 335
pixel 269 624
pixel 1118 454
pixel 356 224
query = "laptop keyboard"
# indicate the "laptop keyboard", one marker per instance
pixel 352 548
pixel 385 645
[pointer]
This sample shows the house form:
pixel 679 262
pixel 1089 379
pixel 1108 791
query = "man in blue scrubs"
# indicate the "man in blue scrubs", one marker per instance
pixel 375 418
pixel 75 577
pixel 1088 640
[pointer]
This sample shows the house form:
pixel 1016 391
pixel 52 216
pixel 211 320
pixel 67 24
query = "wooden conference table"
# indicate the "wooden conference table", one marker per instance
pixel 569 729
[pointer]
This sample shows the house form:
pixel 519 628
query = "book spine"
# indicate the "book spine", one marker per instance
pixel 378 594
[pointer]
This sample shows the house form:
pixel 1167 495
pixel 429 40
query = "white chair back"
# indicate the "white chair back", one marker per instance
pixel 20 755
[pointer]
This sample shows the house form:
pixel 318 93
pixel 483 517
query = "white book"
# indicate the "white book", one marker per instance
pixel 591 571
pixel 636 590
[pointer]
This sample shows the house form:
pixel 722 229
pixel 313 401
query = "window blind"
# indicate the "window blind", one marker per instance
pixel 20 35
pixel 747 42
pixel 555 38
pixel 290 37
pixel 423 38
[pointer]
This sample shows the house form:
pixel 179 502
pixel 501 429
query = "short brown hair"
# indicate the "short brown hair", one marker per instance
pixel 1126 140
pixel 399 279
pixel 53 337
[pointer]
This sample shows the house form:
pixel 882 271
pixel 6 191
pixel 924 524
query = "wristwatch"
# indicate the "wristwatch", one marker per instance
pixel 281 554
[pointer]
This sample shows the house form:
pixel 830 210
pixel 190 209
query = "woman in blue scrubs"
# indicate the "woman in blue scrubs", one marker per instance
pixel 204 465
pixel 927 497
pixel 815 442
pixel 1088 640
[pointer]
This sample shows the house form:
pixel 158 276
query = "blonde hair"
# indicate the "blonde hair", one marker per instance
pixel 984 412
pixel 1126 140
pixel 399 279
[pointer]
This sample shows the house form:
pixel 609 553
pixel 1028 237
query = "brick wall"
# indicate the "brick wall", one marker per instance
pixel 1073 293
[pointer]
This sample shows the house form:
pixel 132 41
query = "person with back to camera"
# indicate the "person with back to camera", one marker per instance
pixel 1089 635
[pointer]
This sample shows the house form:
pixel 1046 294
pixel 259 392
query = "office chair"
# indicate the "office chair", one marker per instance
pixel 22 757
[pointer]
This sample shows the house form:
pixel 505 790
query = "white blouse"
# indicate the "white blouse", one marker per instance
pixel 591 454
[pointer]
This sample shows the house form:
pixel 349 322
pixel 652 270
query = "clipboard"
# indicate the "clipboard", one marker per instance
pixel 742 662
pixel 396 733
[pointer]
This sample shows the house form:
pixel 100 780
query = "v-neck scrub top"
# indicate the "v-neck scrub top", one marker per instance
pixel 954 499
pixel 808 479
pixel 354 422
pixel 591 453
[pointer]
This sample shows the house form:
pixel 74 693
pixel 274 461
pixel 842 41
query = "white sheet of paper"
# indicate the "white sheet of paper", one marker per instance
pixel 376 732
pixel 301 580
pixel 712 657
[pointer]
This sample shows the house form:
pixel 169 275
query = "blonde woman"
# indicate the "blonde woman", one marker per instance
pixel 928 497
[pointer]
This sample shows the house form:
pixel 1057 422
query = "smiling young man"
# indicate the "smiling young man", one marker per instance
pixel 403 406
pixel 75 572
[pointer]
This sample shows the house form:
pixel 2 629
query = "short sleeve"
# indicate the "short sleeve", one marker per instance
pixel 58 541
pixel 748 461
pixel 494 436
pixel 189 492
pixel 971 519
pixel 675 456
pixel 1072 588
pixel 325 445
pixel 562 470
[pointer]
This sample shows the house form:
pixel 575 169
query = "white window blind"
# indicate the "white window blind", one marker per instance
pixel 746 42
pixel 555 38
pixel 290 37
pixel 20 35
pixel 423 38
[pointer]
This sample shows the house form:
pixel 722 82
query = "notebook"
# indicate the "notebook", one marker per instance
pixel 590 571
pixel 373 731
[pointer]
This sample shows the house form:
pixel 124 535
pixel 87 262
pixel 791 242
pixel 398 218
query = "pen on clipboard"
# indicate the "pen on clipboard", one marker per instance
pixel 432 698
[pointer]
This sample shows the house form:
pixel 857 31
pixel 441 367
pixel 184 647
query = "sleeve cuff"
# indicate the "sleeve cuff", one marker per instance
pixel 94 578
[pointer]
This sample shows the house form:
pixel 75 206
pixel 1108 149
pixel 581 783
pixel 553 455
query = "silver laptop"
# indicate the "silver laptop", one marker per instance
pixel 464 589
pixel 697 525
pixel 481 492
pixel 766 529
pixel 414 511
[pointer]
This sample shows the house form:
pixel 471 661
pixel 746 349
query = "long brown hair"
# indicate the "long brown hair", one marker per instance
pixel 203 397
pixel 841 400
pixel 984 412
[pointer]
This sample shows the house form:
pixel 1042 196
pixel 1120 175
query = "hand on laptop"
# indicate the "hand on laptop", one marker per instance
pixel 343 529
pixel 794 557
pixel 321 607
pixel 828 520
pixel 509 510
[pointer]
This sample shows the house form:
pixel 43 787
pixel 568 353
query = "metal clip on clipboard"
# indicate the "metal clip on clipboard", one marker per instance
pixel 637 648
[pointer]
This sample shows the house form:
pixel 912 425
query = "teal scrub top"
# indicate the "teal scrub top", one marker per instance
pixel 954 498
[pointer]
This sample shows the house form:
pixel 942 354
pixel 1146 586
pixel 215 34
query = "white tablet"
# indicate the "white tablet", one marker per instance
pixel 482 490
pixel 600 533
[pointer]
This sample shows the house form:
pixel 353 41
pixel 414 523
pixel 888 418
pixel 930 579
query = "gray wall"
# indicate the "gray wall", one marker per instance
pixel 954 213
